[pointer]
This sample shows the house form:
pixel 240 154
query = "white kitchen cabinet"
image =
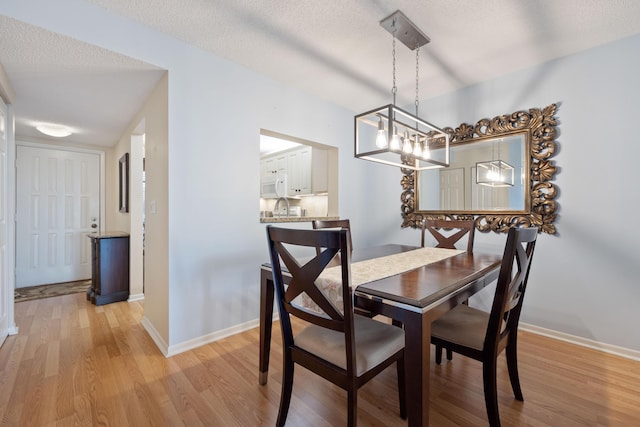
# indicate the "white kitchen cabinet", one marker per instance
pixel 305 166
pixel 266 167
pixel 273 164
pixel 298 169
pixel 307 169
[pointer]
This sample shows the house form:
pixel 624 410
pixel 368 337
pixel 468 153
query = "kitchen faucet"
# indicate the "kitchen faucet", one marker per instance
pixel 275 208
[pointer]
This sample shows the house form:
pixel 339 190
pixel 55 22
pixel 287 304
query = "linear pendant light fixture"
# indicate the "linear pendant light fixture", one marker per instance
pixel 391 135
pixel 495 172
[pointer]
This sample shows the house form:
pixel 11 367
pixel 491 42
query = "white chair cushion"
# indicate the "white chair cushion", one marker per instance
pixel 375 342
pixel 463 325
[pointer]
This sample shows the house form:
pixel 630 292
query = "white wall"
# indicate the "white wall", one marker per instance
pixel 216 110
pixel 152 121
pixel 584 279
pixel 216 240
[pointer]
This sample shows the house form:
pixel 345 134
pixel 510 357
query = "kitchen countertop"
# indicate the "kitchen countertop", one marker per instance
pixel 107 234
pixel 276 219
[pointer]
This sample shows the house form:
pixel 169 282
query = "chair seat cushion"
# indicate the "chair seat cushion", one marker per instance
pixel 375 342
pixel 464 325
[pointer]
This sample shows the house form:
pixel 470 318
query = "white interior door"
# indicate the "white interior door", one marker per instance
pixel 452 189
pixel 5 292
pixel 57 206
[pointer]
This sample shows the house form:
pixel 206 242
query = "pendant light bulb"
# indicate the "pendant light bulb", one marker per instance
pixel 491 175
pixel 406 144
pixel 381 136
pixel 395 140
pixel 426 153
pixel 417 147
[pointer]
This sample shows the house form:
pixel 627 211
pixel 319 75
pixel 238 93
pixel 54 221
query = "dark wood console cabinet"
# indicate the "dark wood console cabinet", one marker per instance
pixel 109 268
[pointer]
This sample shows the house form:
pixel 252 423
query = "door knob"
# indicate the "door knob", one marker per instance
pixel 94 225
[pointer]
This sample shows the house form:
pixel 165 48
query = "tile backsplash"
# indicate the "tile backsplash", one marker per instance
pixel 316 206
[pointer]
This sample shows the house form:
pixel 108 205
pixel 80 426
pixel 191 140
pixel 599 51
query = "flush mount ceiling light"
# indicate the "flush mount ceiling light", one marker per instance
pixel 57 131
pixel 391 135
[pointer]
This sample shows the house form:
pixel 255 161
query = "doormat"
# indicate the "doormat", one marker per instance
pixel 47 291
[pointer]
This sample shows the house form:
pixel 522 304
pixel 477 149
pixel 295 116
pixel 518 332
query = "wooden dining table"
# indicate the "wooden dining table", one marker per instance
pixel 416 298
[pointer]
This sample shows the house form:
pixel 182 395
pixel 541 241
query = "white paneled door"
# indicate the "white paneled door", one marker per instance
pixel 452 189
pixel 4 277
pixel 57 206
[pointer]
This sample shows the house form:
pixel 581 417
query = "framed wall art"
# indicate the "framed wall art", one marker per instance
pixel 124 182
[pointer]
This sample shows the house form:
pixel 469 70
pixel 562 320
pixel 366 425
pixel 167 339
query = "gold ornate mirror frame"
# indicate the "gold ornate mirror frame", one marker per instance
pixel 541 127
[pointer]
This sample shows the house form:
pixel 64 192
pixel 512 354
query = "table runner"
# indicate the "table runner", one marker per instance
pixel 330 281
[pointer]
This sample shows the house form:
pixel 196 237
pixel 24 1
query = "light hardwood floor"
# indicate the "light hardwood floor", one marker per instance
pixel 75 364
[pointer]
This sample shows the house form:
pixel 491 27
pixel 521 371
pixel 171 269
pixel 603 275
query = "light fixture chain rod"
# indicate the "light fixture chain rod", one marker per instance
pixel 394 89
pixel 417 79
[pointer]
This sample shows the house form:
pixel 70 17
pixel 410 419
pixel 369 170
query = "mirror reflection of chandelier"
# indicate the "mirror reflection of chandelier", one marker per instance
pixel 495 173
pixel 393 136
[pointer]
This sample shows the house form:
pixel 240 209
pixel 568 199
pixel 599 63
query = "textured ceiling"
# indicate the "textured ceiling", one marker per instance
pixel 334 49
pixel 56 79
pixel 338 50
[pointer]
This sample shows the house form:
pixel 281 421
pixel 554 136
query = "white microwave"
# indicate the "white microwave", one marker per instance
pixel 274 186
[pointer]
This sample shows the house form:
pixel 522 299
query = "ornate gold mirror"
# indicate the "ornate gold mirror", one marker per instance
pixel 500 173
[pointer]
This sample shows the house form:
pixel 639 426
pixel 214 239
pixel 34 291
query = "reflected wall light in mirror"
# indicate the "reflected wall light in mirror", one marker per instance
pixel 527 143
pixel 495 172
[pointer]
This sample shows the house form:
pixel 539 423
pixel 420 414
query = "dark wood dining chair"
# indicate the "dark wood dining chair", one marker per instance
pixel 345 224
pixel 345 348
pixel 448 232
pixel 483 336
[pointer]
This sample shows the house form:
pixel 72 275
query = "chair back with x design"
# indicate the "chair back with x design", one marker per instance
pixel 437 228
pixel 328 345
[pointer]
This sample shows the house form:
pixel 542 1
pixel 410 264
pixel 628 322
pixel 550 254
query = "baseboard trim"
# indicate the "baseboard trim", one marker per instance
pixel 135 297
pixel 583 342
pixel 169 351
pixel 212 337
pixel 155 336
